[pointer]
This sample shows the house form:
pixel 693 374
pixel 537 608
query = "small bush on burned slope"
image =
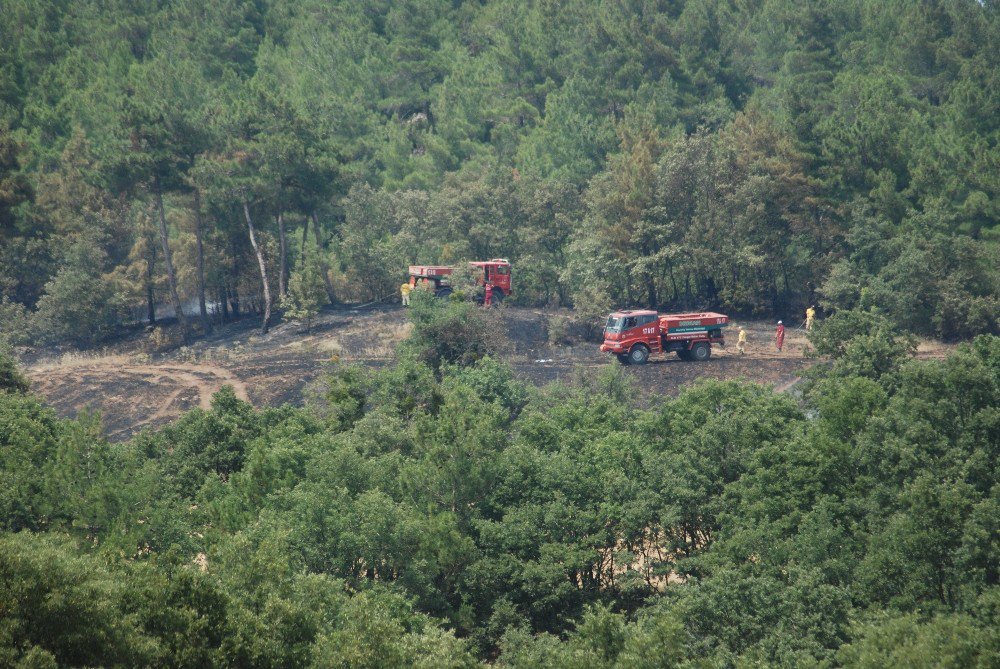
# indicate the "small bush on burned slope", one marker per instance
pixel 11 379
pixel 451 332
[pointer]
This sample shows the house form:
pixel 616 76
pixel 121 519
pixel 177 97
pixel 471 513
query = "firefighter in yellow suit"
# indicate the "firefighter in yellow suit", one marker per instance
pixel 404 292
pixel 810 317
pixel 741 342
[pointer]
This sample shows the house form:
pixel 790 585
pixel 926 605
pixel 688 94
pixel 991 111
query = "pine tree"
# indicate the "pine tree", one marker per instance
pixel 306 288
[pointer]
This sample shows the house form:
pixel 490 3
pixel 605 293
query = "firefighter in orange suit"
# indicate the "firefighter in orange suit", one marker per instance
pixel 779 336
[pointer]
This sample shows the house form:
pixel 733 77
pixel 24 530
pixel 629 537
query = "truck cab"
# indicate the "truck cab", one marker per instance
pixel 632 333
pixel 496 272
pixel 438 277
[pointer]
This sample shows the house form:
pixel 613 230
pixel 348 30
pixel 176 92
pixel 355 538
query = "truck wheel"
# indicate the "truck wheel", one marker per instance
pixel 443 292
pixel 622 358
pixel 638 355
pixel 684 354
pixel 701 352
pixel 496 299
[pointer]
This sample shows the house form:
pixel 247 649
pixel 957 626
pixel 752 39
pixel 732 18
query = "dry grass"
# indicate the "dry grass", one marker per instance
pixel 75 359
pixel 329 345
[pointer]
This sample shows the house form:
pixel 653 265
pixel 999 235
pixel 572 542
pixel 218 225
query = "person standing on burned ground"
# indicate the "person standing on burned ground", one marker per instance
pixel 741 342
pixel 404 292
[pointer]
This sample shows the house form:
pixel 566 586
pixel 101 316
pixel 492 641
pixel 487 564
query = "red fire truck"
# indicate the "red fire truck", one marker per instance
pixel 633 335
pixel 496 272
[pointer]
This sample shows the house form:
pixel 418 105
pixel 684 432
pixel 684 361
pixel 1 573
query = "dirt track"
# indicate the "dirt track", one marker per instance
pixel 133 391
pixel 132 396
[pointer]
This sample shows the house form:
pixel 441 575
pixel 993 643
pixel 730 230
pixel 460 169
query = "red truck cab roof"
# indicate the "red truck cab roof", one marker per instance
pixel 496 262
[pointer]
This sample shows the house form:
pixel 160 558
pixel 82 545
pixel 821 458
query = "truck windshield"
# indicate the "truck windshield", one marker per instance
pixel 614 324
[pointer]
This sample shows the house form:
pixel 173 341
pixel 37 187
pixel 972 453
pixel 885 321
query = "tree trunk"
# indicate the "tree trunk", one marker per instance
pixel 283 260
pixel 234 303
pixel 150 283
pixel 168 261
pixel 206 324
pixel 223 303
pixel 323 267
pixel 673 281
pixel 305 235
pixel 233 288
pixel 263 268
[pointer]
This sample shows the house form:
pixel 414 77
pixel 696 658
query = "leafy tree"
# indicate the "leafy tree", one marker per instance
pixel 862 343
pixel 954 640
pixel 80 302
pixel 65 609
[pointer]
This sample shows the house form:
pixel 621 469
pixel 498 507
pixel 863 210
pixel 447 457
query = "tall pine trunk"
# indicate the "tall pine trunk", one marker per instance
pixel 206 324
pixel 323 267
pixel 283 260
pixel 223 303
pixel 175 299
pixel 263 268
pixel 151 283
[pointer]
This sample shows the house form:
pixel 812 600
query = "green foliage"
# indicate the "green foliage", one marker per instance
pixel 948 640
pixel 27 443
pixel 306 288
pixel 80 304
pixel 747 156
pixel 862 343
pixel 63 608
pixel 11 378
pixel 15 323
pixel 452 331
pixel 209 443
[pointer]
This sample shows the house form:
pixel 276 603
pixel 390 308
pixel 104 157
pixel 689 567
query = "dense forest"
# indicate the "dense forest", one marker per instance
pixel 440 513
pixel 753 156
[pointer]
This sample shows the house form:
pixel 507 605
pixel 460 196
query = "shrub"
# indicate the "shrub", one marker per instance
pixel 11 379
pixel 80 304
pixel 15 323
pixel 451 331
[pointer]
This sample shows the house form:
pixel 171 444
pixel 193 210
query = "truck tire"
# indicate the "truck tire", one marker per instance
pixel 638 355
pixel 701 352
pixel 443 292
pixel 496 299
pixel 622 358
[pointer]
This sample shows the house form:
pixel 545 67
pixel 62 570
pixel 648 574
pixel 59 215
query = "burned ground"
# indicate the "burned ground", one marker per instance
pixel 135 389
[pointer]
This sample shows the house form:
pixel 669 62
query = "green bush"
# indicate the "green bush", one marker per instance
pixel 80 304
pixel 11 379
pixel 454 331
pixel 862 343
pixel 15 323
